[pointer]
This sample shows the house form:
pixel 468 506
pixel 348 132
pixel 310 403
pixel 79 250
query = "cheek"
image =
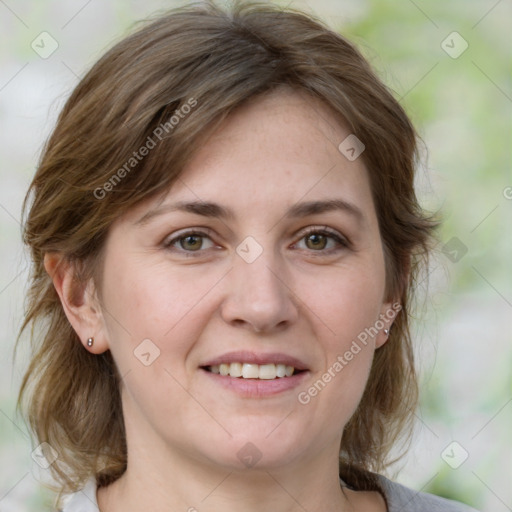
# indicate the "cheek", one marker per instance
pixel 151 310
pixel 344 302
pixel 156 302
pixel 344 307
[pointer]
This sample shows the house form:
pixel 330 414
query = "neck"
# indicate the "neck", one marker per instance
pixel 177 482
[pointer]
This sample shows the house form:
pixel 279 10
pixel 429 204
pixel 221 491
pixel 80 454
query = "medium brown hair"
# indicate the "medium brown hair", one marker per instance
pixel 219 58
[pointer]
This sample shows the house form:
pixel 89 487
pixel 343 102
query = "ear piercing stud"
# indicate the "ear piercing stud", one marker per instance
pixel 90 341
pixel 386 332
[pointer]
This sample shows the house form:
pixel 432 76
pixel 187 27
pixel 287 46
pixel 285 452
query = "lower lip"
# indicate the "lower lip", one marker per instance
pixel 256 388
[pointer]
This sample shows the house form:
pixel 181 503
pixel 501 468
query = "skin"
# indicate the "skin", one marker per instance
pixel 305 296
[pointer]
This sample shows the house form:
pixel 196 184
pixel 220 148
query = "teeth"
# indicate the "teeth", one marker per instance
pixel 281 370
pixel 250 371
pixel 235 369
pixel 253 371
pixel 268 371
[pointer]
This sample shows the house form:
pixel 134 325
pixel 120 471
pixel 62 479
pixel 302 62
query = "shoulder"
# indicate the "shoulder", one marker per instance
pixel 83 500
pixel 401 498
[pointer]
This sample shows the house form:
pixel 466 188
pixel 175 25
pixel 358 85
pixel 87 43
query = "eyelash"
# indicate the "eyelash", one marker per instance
pixel 342 242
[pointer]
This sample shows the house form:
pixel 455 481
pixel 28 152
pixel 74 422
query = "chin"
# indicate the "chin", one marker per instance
pixel 257 449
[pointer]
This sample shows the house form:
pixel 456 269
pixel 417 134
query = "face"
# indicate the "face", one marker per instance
pixel 264 259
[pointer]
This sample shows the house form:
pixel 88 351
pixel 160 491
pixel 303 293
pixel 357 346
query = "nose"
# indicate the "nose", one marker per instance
pixel 260 295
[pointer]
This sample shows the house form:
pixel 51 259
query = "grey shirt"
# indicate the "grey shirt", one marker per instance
pixel 399 497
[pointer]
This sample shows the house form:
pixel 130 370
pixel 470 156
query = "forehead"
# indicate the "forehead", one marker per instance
pixel 282 120
pixel 277 149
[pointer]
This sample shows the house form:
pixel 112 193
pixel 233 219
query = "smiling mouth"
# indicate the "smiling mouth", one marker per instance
pixel 253 371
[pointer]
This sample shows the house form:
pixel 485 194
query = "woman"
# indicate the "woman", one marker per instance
pixel 225 234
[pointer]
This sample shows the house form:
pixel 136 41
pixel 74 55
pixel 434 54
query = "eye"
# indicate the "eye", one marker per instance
pixel 320 240
pixel 323 240
pixel 189 242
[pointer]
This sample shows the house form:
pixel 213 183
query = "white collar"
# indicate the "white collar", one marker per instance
pixel 84 500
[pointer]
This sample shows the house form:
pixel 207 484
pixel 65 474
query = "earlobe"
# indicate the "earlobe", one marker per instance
pixel 382 338
pixel 386 318
pixel 79 302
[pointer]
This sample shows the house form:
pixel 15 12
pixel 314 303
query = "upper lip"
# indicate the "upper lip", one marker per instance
pixel 257 358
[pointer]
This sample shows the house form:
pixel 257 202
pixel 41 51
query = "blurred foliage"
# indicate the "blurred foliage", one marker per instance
pixel 465 116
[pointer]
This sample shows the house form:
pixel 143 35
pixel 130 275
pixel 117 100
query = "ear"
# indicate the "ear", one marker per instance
pixel 388 313
pixel 79 301
pixel 392 306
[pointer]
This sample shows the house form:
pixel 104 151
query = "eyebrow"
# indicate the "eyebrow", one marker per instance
pixel 214 210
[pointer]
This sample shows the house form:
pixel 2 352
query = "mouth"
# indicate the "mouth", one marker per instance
pixel 240 370
pixel 256 375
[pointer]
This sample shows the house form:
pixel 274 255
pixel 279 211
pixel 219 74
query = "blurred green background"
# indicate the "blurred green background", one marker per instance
pixel 449 65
